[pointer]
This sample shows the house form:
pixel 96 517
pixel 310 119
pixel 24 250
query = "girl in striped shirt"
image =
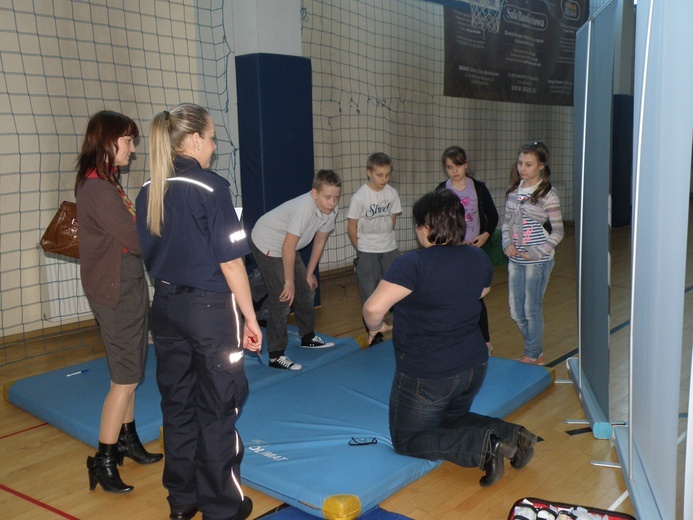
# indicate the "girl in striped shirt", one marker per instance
pixel 532 228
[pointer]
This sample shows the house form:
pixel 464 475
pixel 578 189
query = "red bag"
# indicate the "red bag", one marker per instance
pixel 540 509
pixel 61 235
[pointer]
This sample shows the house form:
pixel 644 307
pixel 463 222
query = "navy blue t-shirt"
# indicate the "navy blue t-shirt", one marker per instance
pixel 200 231
pixel 436 327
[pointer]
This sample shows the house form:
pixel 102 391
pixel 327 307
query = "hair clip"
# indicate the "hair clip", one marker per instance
pixel 167 114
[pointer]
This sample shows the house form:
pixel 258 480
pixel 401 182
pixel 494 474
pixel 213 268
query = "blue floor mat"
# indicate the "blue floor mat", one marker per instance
pixel 296 425
pixel 260 376
pixel 72 403
pixel 71 398
pixel 298 434
pixel 286 512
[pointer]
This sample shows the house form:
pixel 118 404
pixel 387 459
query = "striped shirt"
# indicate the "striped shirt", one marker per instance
pixel 523 225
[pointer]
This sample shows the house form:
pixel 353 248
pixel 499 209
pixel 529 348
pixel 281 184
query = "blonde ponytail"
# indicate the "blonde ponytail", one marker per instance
pixel 161 158
pixel 169 131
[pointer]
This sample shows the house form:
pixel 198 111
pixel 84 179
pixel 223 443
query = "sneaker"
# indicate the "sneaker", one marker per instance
pixel 284 363
pixel 315 342
pixel 378 338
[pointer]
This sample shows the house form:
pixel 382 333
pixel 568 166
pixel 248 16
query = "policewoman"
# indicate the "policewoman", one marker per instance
pixel 202 315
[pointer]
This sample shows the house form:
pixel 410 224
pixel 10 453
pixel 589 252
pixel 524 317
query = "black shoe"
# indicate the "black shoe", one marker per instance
pixel 243 511
pixel 129 445
pixel 378 338
pixel 314 341
pixel 495 460
pixel 103 470
pixel 186 514
pixel 525 448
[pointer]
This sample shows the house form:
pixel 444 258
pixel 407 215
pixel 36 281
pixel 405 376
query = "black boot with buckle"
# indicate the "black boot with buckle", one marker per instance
pixel 104 471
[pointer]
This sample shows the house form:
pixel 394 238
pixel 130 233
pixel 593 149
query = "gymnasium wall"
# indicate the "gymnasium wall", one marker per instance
pixel 377 86
pixel 61 62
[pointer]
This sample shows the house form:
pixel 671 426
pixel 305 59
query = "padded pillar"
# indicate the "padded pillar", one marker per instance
pixel 275 126
pixel 275 130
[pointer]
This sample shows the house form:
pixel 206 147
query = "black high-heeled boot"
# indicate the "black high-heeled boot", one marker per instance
pixel 525 448
pixel 129 445
pixel 103 470
pixel 494 466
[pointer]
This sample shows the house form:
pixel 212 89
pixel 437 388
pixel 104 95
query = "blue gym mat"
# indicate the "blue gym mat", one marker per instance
pixel 297 434
pixel 296 425
pixel 71 398
pixel 286 512
pixel 260 376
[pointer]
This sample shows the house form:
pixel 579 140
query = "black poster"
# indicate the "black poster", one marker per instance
pixel 522 51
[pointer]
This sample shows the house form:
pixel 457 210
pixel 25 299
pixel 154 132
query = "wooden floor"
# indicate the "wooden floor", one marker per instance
pixel 43 473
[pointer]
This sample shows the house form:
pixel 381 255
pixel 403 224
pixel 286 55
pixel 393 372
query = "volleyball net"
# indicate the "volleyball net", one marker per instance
pixel 377 86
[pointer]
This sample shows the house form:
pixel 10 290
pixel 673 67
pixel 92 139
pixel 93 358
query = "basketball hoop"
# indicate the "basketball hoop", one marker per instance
pixel 486 14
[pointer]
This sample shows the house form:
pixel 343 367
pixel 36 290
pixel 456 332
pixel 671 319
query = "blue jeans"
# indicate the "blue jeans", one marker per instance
pixel 430 419
pixel 526 287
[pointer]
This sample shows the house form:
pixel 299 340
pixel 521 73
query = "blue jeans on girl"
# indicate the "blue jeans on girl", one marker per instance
pixel 526 287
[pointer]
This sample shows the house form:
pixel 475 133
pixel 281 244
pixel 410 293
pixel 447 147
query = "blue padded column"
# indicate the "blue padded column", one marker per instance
pixel 275 132
pixel 275 127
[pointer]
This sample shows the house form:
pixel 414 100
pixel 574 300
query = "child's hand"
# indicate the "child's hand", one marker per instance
pixel 533 253
pixel 312 281
pixel 287 294
pixel 480 240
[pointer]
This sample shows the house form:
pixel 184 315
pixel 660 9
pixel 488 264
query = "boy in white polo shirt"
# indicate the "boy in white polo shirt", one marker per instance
pixel 275 241
pixel 371 226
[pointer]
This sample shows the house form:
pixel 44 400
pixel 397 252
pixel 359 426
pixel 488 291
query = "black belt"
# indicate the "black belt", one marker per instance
pixel 173 288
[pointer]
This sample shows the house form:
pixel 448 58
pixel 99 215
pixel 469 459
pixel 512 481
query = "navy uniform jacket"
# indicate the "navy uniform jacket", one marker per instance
pixel 200 230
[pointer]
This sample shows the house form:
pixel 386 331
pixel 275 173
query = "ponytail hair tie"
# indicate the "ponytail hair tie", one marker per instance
pixel 167 114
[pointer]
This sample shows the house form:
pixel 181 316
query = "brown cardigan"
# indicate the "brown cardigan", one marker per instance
pixel 105 228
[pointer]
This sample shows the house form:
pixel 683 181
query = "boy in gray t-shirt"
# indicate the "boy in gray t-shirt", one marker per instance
pixel 275 241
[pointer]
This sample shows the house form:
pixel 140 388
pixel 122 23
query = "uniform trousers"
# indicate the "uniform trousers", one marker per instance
pixel 197 338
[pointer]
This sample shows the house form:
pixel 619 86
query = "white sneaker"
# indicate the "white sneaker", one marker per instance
pixel 284 363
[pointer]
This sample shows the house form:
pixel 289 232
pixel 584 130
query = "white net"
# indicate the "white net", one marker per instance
pixel 486 14
pixel 377 70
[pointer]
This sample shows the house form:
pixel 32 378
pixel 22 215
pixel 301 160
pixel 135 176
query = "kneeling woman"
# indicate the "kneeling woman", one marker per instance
pixel 441 355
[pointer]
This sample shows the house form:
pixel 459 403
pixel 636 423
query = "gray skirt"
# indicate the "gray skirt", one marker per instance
pixel 125 329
